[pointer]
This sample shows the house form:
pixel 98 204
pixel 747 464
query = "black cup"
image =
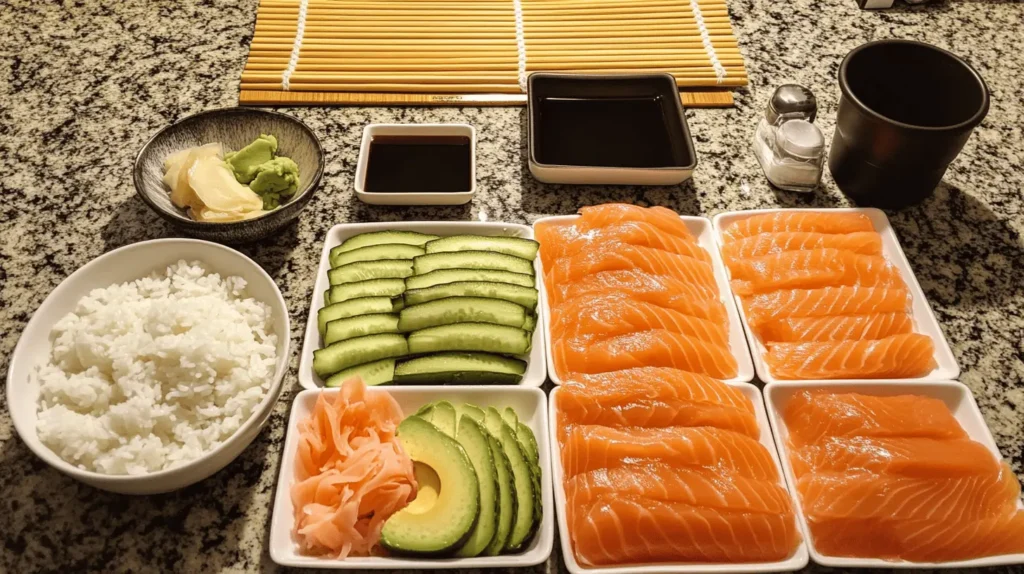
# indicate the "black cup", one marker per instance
pixel 906 110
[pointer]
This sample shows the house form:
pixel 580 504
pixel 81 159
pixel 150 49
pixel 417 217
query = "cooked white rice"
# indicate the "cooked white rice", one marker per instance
pixel 148 375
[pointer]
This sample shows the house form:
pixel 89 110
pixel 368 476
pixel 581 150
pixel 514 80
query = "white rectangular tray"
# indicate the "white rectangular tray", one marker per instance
pixel 700 227
pixel 924 319
pixel 961 403
pixel 535 368
pixel 529 403
pixel 795 562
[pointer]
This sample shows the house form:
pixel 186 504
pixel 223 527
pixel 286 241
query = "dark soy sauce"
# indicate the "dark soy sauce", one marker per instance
pixel 607 132
pixel 419 164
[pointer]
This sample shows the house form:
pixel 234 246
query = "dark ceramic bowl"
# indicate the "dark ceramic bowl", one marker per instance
pixel 235 128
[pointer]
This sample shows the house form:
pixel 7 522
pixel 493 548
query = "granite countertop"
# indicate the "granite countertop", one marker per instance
pixel 84 83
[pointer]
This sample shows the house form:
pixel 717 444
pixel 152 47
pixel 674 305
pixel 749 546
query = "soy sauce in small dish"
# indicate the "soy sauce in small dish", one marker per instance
pixel 419 164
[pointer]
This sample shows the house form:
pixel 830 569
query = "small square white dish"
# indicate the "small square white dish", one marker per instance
pixel 961 403
pixel 529 404
pixel 701 229
pixel 924 319
pixel 797 561
pixel 412 197
pixel 536 370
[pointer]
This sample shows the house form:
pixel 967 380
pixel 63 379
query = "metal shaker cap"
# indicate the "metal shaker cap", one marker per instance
pixel 791 101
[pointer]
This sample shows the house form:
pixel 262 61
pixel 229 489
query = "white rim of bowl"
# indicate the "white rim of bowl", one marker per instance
pixel 271 396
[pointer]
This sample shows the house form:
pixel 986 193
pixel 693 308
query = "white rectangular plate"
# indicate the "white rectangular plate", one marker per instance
pixel 529 404
pixel 700 227
pixel 795 562
pixel 535 368
pixel 961 403
pixel 924 319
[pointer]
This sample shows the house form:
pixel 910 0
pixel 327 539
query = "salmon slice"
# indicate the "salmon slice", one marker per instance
pixel 652 383
pixel 862 242
pixel 576 408
pixel 914 457
pixel 589 447
pixel 690 485
pixel 622 256
pixel 615 314
pixel 660 290
pixel 812 269
pixel 847 300
pixel 654 348
pixel 838 328
pixel 857 495
pixel 798 220
pixel 664 219
pixel 898 357
pixel 812 416
pixel 618 529
pixel 552 236
pixel 573 241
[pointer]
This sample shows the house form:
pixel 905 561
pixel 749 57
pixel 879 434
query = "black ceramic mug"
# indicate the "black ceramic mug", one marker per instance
pixel 906 110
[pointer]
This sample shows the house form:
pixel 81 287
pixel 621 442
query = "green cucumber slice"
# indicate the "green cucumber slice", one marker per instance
pixel 360 326
pixel 519 247
pixel 376 373
pixel 525 296
pixel 381 238
pixel 369 288
pixel 442 276
pixel 480 337
pixel 345 354
pixel 461 310
pixel 366 270
pixel 460 369
pixel 472 260
pixel 376 253
pixel 353 307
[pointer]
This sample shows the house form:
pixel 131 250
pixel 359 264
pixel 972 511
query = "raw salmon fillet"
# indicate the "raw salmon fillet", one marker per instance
pixel 837 328
pixel 660 290
pixel 615 314
pixel 898 356
pixel 654 348
pixel 798 220
pixel 812 269
pixel 628 529
pixel 811 416
pixel 552 236
pixel 664 219
pixel 827 301
pixel 858 495
pixel 654 383
pixel 619 256
pixel 862 242
pixel 589 447
pixel 921 540
pixel 571 241
pixel 916 457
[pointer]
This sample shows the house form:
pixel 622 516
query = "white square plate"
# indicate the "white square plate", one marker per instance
pixel 795 562
pixel 961 403
pixel 529 404
pixel 700 227
pixel 924 319
pixel 535 368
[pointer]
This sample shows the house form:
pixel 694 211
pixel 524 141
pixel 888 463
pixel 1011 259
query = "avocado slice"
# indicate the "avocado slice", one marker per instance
pixel 472 411
pixel 523 481
pixel 443 417
pixel 508 504
pixel 511 418
pixel 528 442
pixel 473 438
pixel 445 509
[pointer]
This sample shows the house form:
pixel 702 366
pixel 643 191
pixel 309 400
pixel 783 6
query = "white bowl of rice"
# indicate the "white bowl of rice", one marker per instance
pixel 151 367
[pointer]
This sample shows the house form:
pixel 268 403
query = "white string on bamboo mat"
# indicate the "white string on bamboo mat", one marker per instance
pixel 705 38
pixel 293 61
pixel 520 43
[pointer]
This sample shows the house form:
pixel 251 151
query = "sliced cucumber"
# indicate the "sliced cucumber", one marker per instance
pixel 530 323
pixel 524 248
pixel 442 276
pixel 376 373
pixel 360 326
pixel 460 369
pixel 472 260
pixel 376 253
pixel 381 238
pixel 345 354
pixel 461 310
pixel 525 296
pixel 366 270
pixel 470 337
pixel 369 288
pixel 353 307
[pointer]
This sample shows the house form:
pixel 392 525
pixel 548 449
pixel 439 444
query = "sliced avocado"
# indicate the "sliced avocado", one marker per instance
pixel 473 438
pixel 511 418
pixel 443 417
pixel 425 408
pixel 434 525
pixel 523 481
pixel 507 502
pixel 529 442
pixel 472 411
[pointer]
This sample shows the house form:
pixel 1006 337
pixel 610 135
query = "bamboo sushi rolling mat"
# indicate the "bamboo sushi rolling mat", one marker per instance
pixel 479 52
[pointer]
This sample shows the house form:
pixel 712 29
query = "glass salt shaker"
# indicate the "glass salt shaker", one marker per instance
pixel 787 144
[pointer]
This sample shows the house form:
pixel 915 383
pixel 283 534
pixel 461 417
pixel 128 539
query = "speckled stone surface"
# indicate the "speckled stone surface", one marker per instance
pixel 84 83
